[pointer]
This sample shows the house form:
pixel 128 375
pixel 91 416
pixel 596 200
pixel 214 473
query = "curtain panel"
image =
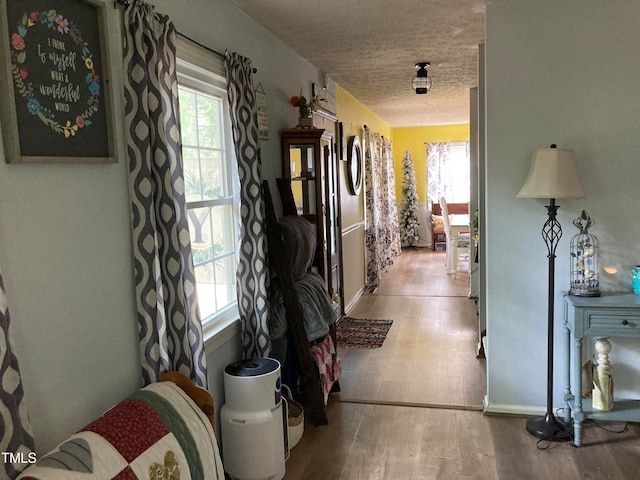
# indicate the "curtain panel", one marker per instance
pixel 437 159
pixel 170 330
pixel 15 435
pixel 252 277
pixel 392 239
pixel 382 231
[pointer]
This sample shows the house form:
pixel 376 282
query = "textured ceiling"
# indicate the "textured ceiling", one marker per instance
pixel 370 47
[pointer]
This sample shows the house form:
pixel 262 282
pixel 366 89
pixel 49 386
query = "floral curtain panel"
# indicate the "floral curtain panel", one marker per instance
pixel 170 330
pixel 15 430
pixel 382 232
pixel 252 277
pixel 392 235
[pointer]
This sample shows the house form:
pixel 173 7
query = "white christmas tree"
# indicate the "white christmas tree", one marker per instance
pixel 409 221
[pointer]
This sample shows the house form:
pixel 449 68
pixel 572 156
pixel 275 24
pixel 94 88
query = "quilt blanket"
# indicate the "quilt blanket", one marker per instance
pixel 156 433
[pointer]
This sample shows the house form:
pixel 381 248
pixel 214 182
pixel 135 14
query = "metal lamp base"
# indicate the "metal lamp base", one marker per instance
pixel 550 428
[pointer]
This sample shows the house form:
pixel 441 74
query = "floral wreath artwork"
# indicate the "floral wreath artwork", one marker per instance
pixel 57 22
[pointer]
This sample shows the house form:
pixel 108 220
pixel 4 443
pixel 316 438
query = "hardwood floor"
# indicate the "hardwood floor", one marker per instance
pixel 429 355
pixel 410 410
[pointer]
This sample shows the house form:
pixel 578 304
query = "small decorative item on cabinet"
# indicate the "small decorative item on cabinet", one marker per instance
pixel 305 109
pixel 635 279
pixel 584 260
pixel 305 122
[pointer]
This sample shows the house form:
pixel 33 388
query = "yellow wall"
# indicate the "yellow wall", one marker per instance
pixel 415 138
pixel 354 116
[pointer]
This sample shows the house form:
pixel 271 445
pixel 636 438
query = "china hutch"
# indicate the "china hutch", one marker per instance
pixel 310 169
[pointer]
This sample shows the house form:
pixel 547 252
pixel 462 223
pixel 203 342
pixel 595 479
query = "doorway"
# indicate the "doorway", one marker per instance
pixel 429 356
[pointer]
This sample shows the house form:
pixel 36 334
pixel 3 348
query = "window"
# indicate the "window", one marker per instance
pixel 448 172
pixel 211 188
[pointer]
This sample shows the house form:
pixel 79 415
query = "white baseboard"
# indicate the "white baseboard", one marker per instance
pixel 354 301
pixel 515 409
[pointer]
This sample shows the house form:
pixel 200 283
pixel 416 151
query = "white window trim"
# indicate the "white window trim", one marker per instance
pixel 202 70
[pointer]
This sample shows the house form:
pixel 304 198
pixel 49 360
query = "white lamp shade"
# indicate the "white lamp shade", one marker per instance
pixel 553 174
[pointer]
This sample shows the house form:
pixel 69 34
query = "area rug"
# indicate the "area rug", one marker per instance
pixel 362 332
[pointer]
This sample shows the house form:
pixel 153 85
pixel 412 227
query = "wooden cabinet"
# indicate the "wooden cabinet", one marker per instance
pixel 310 170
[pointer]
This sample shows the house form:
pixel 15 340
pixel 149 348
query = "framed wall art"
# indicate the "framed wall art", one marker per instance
pixel 55 83
pixel 263 118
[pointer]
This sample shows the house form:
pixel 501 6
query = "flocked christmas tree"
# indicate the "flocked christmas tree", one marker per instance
pixel 409 221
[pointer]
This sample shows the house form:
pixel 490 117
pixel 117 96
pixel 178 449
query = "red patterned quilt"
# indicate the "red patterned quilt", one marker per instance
pixel 157 433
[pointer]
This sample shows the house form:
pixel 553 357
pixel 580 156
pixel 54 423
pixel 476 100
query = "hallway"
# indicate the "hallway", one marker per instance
pixel 428 359
pixel 429 355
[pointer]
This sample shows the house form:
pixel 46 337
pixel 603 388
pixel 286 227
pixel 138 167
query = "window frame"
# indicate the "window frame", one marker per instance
pixel 201 71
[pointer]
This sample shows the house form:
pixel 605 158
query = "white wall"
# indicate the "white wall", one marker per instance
pixel 219 25
pixel 65 243
pixel 564 73
pixel 65 253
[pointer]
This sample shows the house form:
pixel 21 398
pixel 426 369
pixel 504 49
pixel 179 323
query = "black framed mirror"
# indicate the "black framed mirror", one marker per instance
pixel 354 165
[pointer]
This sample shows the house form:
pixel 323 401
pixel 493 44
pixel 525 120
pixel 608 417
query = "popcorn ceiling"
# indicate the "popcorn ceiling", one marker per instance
pixel 370 48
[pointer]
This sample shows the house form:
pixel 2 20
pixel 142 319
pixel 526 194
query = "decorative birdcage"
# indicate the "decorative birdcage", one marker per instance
pixel 584 260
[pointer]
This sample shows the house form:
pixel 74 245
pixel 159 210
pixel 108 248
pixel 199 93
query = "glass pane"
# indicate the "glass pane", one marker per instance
pixel 188 124
pixel 222 230
pixel 209 122
pixel 225 281
pixel 200 229
pixel 206 290
pixel 213 175
pixel 192 183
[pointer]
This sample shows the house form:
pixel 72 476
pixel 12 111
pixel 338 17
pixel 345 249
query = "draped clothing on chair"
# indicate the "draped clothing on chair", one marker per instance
pixel 252 277
pixel 170 330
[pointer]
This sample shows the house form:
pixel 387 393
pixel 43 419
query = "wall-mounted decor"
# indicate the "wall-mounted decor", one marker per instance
pixel 354 165
pixel 263 120
pixel 342 148
pixel 327 92
pixel 55 84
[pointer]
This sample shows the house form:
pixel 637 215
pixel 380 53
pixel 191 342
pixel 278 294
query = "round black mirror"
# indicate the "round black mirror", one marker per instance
pixel 354 165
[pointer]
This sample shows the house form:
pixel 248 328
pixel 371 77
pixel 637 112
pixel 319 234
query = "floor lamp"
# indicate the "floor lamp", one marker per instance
pixel 552 175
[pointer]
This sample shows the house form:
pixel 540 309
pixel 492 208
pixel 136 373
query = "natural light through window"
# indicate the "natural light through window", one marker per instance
pixel 448 172
pixel 458 174
pixel 209 188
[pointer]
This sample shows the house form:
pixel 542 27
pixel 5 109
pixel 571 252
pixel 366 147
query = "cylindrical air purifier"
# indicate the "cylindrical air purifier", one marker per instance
pixel 253 421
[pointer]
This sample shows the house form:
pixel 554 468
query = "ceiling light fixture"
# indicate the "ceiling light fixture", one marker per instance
pixel 421 83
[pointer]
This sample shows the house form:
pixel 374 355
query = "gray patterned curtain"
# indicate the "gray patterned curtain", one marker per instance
pixel 252 276
pixel 15 429
pixel 170 330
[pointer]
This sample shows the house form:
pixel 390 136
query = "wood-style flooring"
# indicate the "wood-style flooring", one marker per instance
pixel 429 355
pixel 410 410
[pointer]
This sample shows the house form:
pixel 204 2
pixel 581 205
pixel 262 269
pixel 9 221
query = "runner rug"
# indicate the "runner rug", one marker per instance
pixel 362 332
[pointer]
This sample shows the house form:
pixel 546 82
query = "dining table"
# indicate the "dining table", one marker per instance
pixel 458 223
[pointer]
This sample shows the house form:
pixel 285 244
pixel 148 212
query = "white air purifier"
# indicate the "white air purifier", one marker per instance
pixel 253 421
